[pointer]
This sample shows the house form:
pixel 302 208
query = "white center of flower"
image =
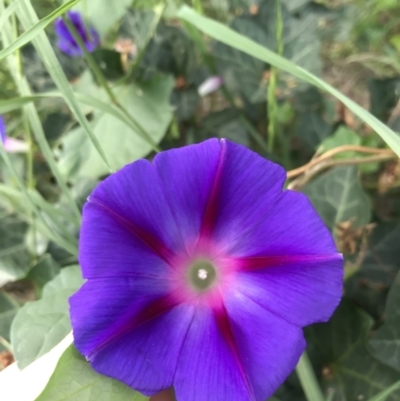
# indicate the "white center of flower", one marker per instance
pixel 202 274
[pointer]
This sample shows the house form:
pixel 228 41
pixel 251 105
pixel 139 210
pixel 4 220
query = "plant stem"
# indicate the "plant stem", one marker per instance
pixel 272 105
pixel 308 380
pixel 341 149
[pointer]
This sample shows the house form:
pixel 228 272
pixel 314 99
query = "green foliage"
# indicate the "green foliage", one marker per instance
pixel 148 102
pixel 339 197
pixel 379 266
pixel 42 324
pixel 14 255
pixel 8 310
pixel 386 340
pixel 342 136
pixel 74 380
pixel 103 14
pixel 340 351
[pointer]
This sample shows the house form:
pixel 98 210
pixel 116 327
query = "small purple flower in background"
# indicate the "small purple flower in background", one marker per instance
pixel 210 85
pixel 11 145
pixel 201 273
pixel 66 41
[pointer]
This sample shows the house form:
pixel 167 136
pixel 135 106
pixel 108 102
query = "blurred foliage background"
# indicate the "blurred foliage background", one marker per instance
pixel 140 91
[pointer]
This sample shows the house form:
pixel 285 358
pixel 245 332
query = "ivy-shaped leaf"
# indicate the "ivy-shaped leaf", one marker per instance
pixel 339 351
pixel 338 197
pixel 370 285
pixel 42 324
pixel 148 103
pixel 386 341
pixel 74 380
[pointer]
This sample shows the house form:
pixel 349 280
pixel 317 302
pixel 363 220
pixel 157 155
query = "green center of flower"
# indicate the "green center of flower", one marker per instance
pixel 202 274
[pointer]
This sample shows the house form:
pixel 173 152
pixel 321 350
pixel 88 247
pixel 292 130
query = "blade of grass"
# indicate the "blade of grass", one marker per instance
pixel 384 394
pixel 36 29
pixel 308 380
pixel 15 198
pixel 28 18
pixel 7 13
pixel 231 38
pixel 36 125
pixel 48 231
pixel 88 100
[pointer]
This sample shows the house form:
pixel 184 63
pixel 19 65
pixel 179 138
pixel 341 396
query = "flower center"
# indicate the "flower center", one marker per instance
pixel 202 274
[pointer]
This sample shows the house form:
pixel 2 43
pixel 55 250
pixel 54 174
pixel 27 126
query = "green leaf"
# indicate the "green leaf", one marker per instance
pixel 74 380
pixel 185 102
pixel 137 25
pixel 110 63
pixel 225 35
pixel 369 286
pixel 338 348
pixel 312 128
pixel 384 394
pixel 14 255
pixel 42 324
pixel 44 271
pixel 342 136
pixel 148 102
pixel 338 197
pixel 8 310
pixel 103 14
pixel 294 5
pixel 345 136
pixel 241 72
pixel 384 95
pixel 386 340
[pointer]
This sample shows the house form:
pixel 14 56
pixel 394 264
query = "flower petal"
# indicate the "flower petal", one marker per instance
pixel 301 291
pixel 144 353
pixel 134 199
pixel 187 175
pixel 109 249
pixel 288 226
pixel 248 186
pixel 69 48
pixel 63 32
pixel 269 346
pixel 3 135
pixel 243 352
pixel 210 85
pixel 12 145
pixel 207 369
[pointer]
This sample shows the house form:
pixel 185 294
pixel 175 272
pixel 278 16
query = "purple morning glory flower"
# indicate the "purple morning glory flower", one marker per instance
pixel 11 145
pixel 66 41
pixel 201 273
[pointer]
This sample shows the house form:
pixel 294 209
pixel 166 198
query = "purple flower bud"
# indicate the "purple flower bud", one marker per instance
pixel 66 41
pixel 210 85
pixel 201 273
pixel 11 145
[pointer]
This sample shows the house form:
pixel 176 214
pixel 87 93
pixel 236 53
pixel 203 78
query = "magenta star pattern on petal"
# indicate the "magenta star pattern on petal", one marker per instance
pixel 201 273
